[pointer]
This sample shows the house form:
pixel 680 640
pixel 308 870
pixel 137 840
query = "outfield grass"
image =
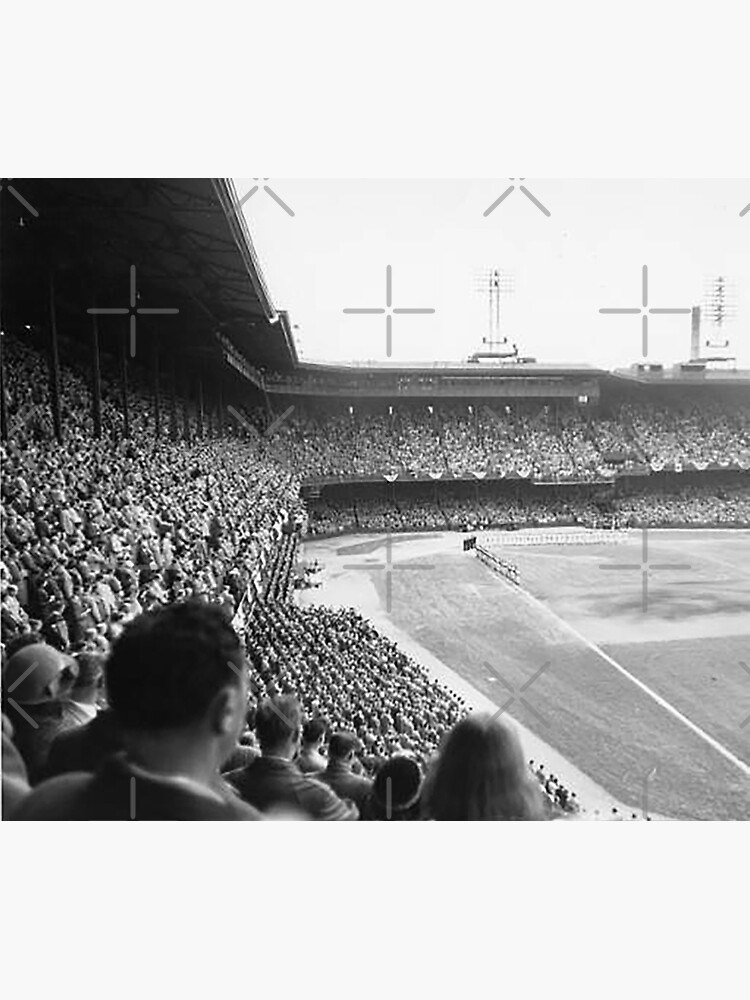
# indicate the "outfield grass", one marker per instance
pixel 687 646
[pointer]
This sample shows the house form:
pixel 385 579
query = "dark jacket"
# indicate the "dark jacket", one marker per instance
pixel 345 783
pixel 271 782
pixel 121 791
pixel 86 747
pixel 35 729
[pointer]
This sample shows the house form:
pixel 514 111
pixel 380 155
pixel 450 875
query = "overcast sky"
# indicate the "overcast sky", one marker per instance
pixel 586 254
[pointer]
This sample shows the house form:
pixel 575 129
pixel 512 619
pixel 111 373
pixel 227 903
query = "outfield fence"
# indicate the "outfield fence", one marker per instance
pixel 494 539
pixel 502 566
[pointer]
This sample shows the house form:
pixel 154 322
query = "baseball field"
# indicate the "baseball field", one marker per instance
pixel 626 667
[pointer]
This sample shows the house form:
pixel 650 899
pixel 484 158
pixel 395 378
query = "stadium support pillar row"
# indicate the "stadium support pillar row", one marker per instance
pixel 96 378
pixel 54 363
pixel 3 397
pixel 157 394
pixel 124 384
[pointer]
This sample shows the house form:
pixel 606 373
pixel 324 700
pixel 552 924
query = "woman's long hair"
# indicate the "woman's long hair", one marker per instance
pixel 480 774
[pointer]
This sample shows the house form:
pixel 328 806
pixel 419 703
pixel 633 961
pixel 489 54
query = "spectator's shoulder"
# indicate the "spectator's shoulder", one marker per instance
pixel 236 777
pixel 326 802
pixel 240 810
pixel 54 799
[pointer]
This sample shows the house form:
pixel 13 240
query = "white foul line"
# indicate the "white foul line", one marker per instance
pixel 738 763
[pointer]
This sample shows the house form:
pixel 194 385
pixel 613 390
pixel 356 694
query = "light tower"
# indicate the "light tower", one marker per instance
pixel 718 309
pixel 494 284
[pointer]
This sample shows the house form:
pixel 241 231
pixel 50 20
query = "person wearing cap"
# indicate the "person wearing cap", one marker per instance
pixel 37 681
pixel 339 774
pixel 273 781
pixel 177 686
pixel 395 791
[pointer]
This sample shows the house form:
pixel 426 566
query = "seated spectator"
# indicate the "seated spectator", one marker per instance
pixel 87 689
pixel 310 760
pixel 37 682
pixel 242 755
pixel 395 791
pixel 176 681
pixel 83 748
pixel 339 774
pixel 480 774
pixel 273 782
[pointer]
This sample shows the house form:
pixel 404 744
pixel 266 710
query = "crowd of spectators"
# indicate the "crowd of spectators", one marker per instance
pixel 126 558
pixel 343 670
pixel 130 556
pixel 97 530
pixel 319 718
pixel 724 502
pixel 543 441
pixel 702 506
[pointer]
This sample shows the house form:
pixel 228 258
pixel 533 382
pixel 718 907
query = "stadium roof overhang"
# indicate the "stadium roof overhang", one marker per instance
pixel 187 240
pixel 682 377
pixel 452 368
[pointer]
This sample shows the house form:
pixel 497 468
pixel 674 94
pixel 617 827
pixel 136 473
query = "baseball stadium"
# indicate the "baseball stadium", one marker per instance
pixel 559 548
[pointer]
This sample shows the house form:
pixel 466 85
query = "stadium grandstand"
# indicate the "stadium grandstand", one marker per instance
pixel 180 491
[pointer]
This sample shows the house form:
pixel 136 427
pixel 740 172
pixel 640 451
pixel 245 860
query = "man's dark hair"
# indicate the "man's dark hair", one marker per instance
pixel 314 730
pixel 276 719
pixel 90 672
pixel 169 663
pixel 340 745
pixel 397 785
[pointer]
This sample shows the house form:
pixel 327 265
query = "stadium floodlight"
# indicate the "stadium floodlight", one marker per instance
pixel 495 283
pixel 719 308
